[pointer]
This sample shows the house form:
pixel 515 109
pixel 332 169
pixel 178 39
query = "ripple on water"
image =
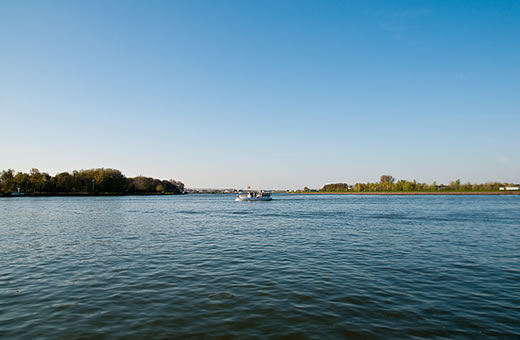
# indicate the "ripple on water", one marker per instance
pixel 299 267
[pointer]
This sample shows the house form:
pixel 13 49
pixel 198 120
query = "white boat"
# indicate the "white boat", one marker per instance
pixel 254 196
pixel 18 193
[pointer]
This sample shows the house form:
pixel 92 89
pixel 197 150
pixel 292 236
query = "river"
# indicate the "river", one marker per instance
pixel 299 266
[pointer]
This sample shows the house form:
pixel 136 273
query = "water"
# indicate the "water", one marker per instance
pixel 298 266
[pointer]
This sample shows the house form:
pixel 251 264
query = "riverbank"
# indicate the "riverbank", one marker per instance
pixel 79 194
pixel 413 193
pixel 100 181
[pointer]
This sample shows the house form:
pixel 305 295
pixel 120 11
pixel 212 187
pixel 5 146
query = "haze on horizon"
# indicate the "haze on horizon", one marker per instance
pixel 269 94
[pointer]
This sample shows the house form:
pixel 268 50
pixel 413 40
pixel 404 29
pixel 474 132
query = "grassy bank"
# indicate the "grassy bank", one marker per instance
pixel 413 193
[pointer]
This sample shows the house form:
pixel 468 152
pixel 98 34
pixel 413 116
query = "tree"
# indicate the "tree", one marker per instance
pixel 386 179
pixel 99 180
pixel 64 182
pixel 178 184
pixel 336 187
pixel 21 180
pixel 144 184
pixel 359 187
pixel 455 185
pixel 109 180
pixel 7 180
pixel 38 181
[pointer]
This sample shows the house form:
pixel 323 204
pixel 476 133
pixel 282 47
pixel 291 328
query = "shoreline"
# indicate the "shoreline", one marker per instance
pixel 370 193
pixel 454 193
pixel 89 194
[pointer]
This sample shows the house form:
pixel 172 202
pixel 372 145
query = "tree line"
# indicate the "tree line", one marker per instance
pixel 389 183
pixel 92 181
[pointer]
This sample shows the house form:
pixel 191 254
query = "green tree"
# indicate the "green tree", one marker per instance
pixel 84 181
pixel 38 181
pixel 335 187
pixel 7 180
pixel 22 180
pixel 64 182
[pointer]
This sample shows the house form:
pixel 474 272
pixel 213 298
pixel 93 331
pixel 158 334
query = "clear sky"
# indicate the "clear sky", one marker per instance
pixel 272 94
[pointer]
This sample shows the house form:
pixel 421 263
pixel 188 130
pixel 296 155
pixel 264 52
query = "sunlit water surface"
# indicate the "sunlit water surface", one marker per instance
pixel 298 266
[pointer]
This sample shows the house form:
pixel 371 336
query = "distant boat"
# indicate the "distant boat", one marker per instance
pixel 19 193
pixel 254 196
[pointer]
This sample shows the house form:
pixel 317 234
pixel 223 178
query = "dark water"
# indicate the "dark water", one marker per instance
pixel 298 266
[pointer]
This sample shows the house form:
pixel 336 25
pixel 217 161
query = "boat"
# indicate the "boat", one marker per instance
pixel 254 196
pixel 18 193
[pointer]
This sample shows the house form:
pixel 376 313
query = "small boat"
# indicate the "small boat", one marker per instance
pixel 254 196
pixel 18 193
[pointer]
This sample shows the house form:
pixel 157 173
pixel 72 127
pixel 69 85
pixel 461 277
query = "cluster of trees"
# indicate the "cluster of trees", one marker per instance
pixel 92 181
pixel 336 187
pixel 389 183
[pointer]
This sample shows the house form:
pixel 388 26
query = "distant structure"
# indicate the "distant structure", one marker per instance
pixel 210 191
pixel 515 187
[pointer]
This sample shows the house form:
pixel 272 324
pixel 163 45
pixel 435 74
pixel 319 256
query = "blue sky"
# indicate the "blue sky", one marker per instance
pixel 273 94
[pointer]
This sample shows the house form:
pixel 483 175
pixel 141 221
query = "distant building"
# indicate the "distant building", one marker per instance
pixel 515 187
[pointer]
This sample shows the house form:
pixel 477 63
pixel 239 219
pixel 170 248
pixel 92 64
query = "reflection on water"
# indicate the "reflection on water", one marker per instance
pixel 302 266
